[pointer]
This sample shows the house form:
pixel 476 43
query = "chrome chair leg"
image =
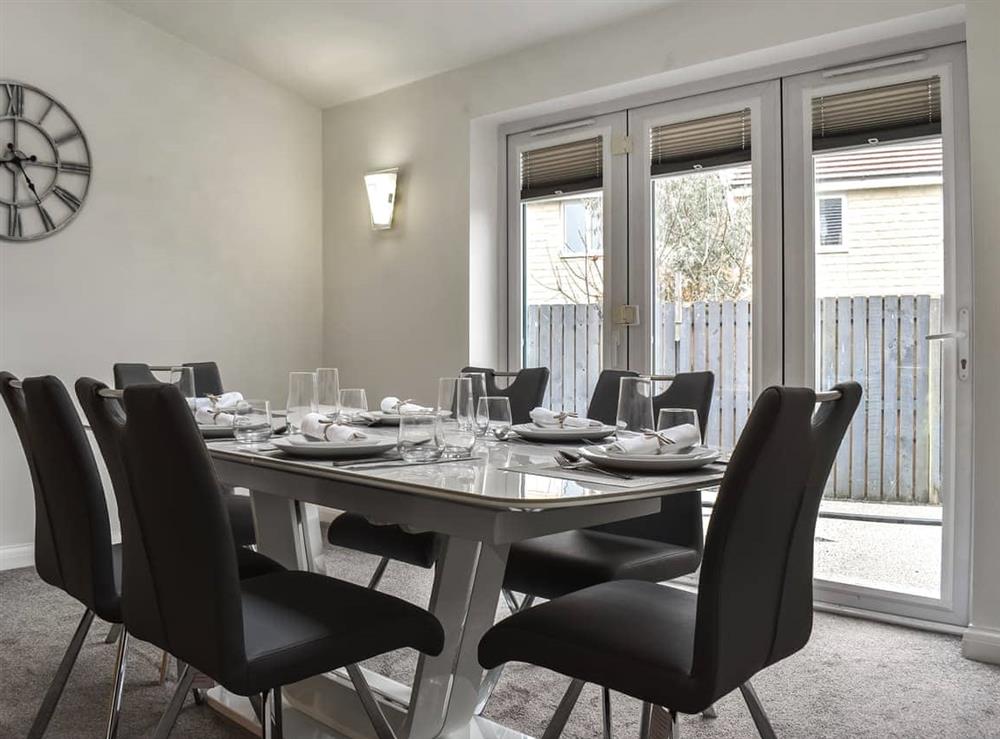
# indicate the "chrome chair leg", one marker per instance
pixel 606 711
pixel 368 702
pixel 651 723
pixel 644 720
pixel 257 705
pixel 379 571
pixel 492 676
pixel 58 683
pixel 563 710
pixel 169 717
pixel 113 633
pixel 757 712
pixel 271 723
pixel 114 711
pixel 710 712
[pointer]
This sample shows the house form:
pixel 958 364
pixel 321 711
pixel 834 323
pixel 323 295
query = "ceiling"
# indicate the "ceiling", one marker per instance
pixel 331 51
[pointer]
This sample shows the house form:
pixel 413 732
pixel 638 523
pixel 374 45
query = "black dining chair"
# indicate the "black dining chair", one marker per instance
pixel 207 381
pixel 207 378
pixel 73 548
pixel 251 636
pixel 525 391
pixel 659 547
pixel 390 542
pixel 682 651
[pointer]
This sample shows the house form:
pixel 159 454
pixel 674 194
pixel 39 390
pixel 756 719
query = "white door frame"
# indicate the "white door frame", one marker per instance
pixel 611 127
pixel 949 63
pixel 764 101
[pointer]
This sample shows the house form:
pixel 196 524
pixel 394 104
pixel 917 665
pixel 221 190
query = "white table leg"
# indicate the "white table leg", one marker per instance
pixel 278 524
pixel 467 581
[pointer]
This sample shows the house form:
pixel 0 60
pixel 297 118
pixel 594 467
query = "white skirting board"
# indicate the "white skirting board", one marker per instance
pixel 13 556
pixel 981 644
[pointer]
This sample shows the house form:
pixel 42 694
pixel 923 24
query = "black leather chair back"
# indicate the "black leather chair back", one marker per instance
pixel 604 401
pixel 829 426
pixel 75 513
pixel 688 390
pixel 46 562
pixel 134 373
pixel 180 574
pixel 525 392
pixel 107 421
pixel 679 520
pixel 752 538
pixel 207 378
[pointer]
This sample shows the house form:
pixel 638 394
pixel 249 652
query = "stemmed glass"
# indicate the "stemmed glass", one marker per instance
pixel 302 399
pixel 328 379
pixel 353 402
pixel 493 417
pixel 635 404
pixel 454 408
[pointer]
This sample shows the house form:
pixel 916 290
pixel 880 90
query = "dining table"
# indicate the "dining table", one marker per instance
pixel 504 492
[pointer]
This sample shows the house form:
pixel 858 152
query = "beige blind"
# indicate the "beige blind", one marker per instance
pixel 879 114
pixel 706 142
pixel 565 168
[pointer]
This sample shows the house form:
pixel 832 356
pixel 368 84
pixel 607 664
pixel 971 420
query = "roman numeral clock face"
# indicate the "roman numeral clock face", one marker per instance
pixel 44 164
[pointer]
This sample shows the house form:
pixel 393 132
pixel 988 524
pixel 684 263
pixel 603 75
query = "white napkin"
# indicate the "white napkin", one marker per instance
pixel 394 405
pixel 683 437
pixel 224 402
pixel 552 419
pixel 212 417
pixel 318 426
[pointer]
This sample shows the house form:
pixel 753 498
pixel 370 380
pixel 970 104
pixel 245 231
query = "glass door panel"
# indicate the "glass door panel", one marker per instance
pixel 879 157
pixel 700 232
pixel 562 208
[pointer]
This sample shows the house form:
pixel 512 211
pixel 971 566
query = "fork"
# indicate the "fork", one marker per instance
pixel 566 462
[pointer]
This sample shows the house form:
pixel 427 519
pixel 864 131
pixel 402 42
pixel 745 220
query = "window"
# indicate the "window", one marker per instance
pixel 830 223
pixel 581 229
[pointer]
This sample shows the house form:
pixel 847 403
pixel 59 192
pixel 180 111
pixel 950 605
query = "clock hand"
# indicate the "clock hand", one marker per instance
pixel 31 185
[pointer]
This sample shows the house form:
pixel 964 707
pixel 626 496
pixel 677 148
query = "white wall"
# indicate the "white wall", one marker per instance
pixel 200 238
pixel 982 641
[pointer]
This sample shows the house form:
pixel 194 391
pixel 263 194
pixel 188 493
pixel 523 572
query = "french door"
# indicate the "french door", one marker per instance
pixel 705 245
pixel 806 230
pixel 568 233
pixel 878 290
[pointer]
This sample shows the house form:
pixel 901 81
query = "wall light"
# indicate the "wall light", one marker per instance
pixel 381 188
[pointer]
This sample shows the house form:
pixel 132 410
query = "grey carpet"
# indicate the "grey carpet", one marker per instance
pixel 855 678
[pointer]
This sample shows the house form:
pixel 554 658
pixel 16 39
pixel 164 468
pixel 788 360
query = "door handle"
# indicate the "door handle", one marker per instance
pixel 961 338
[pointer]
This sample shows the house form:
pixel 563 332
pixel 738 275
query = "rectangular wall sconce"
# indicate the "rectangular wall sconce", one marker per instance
pixel 381 186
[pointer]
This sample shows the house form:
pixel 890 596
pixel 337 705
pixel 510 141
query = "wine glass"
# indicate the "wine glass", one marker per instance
pixel 635 404
pixel 353 402
pixel 328 380
pixel 670 417
pixel 302 399
pixel 493 417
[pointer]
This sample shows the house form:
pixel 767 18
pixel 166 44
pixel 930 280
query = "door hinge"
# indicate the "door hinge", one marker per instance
pixel 621 144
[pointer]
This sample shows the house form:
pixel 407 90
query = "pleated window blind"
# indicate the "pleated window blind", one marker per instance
pixel 700 144
pixel 902 111
pixel 576 166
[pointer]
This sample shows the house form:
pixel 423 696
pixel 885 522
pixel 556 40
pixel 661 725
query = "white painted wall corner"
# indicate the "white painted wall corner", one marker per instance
pixel 981 644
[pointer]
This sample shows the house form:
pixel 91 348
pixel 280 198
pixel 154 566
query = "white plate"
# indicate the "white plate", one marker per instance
pixel 698 457
pixel 216 432
pixel 540 433
pixel 296 446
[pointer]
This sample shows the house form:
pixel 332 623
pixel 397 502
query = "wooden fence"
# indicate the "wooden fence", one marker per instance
pixel 892 450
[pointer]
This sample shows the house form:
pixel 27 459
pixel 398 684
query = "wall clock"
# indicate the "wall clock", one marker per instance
pixel 44 164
